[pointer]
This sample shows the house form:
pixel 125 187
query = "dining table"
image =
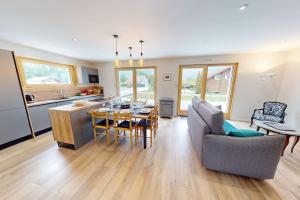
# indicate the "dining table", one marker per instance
pixel 138 112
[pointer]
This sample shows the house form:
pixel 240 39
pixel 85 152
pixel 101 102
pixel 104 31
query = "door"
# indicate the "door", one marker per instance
pixel 219 86
pixel 213 83
pixel 125 84
pixel 145 85
pixel 191 84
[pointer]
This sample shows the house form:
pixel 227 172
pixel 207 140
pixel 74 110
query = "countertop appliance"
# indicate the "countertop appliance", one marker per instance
pixel 93 78
pixel 29 98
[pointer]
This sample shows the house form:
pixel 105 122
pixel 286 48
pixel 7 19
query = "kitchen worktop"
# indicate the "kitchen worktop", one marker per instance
pixel 73 108
pixel 38 103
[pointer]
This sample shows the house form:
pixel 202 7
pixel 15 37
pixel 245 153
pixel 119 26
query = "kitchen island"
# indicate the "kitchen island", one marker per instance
pixel 72 125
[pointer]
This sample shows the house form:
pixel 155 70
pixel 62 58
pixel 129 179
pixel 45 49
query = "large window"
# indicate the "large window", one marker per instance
pixel 214 83
pixel 136 83
pixel 43 73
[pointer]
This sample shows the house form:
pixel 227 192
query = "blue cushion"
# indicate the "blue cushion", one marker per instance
pixel 144 122
pixel 244 133
pixel 228 127
pixel 126 124
pixel 103 122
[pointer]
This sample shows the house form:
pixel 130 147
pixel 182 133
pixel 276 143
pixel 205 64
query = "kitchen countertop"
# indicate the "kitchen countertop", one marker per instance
pixel 73 108
pixel 39 103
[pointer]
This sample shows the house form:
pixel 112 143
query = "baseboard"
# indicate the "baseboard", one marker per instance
pixel 14 142
pixel 22 139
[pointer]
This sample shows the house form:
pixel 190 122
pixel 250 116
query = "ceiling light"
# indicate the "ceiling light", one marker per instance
pixel 117 61
pixel 75 40
pixel 141 62
pixel 130 62
pixel 244 6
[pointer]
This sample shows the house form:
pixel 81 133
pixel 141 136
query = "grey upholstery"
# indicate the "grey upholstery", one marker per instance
pixel 213 117
pixel 255 157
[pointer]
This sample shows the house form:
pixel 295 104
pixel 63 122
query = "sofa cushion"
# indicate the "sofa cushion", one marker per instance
pixel 244 133
pixel 228 127
pixel 213 117
pixel 195 102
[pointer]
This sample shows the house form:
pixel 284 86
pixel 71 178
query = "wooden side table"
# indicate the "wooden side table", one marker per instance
pixel 287 134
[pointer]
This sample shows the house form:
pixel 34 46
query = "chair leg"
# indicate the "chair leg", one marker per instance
pixel 251 122
pixel 151 137
pixel 107 136
pixel 130 137
pixel 116 136
pixel 95 136
pixel 135 136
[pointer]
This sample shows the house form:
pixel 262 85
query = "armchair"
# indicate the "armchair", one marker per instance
pixel 271 111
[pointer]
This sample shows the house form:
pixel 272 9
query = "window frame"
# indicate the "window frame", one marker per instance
pixel 71 68
pixel 134 76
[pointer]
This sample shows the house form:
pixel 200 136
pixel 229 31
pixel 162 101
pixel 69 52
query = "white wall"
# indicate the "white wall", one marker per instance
pixel 44 55
pixel 290 88
pixel 250 91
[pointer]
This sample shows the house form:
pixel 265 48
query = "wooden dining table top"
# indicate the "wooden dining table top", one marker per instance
pixel 136 112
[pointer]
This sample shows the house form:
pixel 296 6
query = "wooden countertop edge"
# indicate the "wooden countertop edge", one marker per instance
pixel 74 108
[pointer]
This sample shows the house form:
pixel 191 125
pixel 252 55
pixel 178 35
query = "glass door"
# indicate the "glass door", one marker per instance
pixel 125 85
pixel 191 84
pixel 219 86
pixel 145 85
pixel 136 84
pixel 213 83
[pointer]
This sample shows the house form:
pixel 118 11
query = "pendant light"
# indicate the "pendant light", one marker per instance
pixel 117 61
pixel 141 62
pixel 130 62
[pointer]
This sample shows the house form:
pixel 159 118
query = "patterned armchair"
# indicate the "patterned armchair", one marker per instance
pixel 272 111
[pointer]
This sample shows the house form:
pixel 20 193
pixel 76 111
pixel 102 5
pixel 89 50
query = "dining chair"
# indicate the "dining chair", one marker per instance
pixel 101 120
pixel 123 122
pixel 148 123
pixel 156 111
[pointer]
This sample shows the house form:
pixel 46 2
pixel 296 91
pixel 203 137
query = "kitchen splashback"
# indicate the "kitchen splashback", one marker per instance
pixel 42 94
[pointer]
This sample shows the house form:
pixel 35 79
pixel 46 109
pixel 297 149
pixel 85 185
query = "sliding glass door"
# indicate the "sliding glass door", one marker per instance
pixel 137 84
pixel 191 84
pixel 214 83
pixel 145 85
pixel 125 80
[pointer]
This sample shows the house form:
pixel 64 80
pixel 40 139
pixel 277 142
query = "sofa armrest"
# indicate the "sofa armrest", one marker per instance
pixel 255 157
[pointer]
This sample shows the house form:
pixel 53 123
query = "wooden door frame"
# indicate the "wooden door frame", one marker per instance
pixel 204 82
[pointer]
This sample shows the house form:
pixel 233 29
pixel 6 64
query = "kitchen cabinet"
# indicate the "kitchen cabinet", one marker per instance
pixel 14 120
pixel 14 125
pixel 85 72
pixel 39 116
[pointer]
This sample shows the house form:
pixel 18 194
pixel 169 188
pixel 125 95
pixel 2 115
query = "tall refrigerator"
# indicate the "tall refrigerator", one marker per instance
pixel 14 120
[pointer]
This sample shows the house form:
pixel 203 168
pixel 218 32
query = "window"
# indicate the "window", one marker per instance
pixel 37 72
pixel 136 83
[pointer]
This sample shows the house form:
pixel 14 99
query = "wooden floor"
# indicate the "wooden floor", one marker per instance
pixel 169 170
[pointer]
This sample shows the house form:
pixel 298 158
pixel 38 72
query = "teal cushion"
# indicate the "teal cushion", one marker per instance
pixel 228 127
pixel 244 133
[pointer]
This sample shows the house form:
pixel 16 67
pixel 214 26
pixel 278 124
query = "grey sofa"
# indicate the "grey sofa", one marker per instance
pixel 255 157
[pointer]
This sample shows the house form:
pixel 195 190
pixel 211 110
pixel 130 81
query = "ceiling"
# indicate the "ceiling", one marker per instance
pixel 170 28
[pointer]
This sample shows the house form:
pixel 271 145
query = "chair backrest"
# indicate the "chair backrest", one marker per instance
pixel 100 115
pixel 276 109
pixel 118 116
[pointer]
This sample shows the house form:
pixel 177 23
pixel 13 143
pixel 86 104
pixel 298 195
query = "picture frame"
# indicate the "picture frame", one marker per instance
pixel 167 77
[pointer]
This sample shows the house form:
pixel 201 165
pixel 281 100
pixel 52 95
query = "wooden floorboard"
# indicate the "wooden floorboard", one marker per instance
pixel 38 169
